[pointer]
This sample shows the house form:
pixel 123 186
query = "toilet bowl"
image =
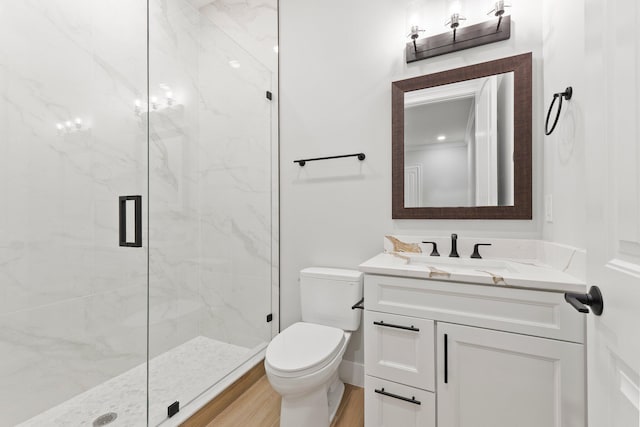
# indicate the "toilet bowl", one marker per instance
pixel 305 374
pixel 302 361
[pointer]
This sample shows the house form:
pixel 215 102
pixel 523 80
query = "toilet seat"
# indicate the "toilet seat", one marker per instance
pixel 303 348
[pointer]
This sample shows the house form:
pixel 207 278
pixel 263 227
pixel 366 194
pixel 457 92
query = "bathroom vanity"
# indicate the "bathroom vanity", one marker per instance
pixel 465 342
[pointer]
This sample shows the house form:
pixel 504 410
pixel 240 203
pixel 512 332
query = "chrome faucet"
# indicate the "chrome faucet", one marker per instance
pixel 454 246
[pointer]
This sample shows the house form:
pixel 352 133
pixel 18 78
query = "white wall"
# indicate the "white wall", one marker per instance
pixel 337 62
pixel 564 150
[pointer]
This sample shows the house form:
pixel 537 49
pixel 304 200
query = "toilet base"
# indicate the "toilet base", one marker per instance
pixel 334 397
pixel 316 409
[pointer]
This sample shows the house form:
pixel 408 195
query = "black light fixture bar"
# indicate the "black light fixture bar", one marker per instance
pixel 302 162
pixel 464 38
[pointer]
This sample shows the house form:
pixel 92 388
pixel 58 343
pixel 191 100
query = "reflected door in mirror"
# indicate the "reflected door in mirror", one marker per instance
pixel 458 144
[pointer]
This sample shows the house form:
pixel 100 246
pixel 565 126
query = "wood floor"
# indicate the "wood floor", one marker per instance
pixel 259 406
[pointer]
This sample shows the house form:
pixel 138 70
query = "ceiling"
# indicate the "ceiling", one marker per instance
pixel 424 123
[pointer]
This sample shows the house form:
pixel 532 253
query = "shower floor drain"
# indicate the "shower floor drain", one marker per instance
pixel 105 419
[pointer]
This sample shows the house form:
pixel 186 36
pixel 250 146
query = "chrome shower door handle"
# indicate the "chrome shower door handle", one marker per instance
pixel 130 212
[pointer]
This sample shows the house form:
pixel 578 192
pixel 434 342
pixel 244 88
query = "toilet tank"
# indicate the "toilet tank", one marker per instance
pixel 327 294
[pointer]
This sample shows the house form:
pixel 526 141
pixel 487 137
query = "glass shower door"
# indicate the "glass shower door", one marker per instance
pixel 97 323
pixel 73 330
pixel 210 207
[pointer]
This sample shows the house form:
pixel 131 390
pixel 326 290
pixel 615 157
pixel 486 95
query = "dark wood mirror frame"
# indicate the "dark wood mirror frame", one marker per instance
pixel 521 66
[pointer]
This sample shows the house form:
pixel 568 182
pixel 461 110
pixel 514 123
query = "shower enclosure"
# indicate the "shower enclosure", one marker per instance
pixel 108 317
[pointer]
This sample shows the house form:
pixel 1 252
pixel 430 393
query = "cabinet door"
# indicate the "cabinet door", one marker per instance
pixel 389 404
pixel 400 349
pixel 487 378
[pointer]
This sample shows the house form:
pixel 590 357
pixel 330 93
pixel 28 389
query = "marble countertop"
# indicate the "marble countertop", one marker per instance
pixel 504 272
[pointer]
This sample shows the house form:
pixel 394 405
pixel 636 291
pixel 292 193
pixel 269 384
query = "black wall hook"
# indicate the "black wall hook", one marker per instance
pixel 567 94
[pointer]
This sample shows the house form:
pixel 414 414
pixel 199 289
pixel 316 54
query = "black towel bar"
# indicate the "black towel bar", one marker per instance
pixel 302 162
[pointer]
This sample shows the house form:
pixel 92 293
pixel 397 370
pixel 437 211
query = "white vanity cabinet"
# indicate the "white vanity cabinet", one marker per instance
pixel 471 355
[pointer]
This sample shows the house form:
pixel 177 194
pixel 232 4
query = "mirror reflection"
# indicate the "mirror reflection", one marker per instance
pixel 459 143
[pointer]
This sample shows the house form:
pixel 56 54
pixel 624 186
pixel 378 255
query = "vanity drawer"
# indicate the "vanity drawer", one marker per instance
pixel 529 312
pixel 390 404
pixel 400 348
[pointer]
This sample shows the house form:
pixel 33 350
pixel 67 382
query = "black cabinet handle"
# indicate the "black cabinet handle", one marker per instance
pixel 391 325
pixel 122 203
pixel 446 359
pixel 397 396
pixel 592 299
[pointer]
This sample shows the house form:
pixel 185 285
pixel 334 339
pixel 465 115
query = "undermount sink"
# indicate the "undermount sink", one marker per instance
pixel 453 265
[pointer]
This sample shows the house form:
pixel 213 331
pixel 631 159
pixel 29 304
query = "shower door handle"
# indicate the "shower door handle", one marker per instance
pixel 130 208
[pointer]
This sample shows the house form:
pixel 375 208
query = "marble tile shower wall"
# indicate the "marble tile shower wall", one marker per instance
pixel 72 303
pixel 210 186
pixel 236 189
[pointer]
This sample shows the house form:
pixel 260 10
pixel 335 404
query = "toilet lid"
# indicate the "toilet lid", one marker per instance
pixel 303 346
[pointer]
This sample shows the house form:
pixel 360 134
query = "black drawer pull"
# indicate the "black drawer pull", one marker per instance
pixel 446 359
pixel 395 396
pixel 391 325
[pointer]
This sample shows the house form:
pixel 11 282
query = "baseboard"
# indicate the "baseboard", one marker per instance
pixel 352 373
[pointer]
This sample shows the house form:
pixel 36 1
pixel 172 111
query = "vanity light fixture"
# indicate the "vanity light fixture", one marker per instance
pixel 462 37
pixel 415 11
pixel 498 10
pixel 454 19
pixel 414 34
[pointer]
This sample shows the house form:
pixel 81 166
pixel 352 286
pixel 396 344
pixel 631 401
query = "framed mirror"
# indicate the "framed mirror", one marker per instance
pixel 461 142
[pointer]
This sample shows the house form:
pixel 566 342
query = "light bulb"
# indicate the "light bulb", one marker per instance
pixel 455 7
pixel 234 63
pixel 60 126
pixel 498 7
pixel 78 122
pixel 154 102
pixel 169 96
pixel 415 19
pixel 68 124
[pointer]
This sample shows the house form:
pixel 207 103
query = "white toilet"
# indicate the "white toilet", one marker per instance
pixel 302 361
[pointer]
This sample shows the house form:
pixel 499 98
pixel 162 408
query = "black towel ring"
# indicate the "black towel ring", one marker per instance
pixel 567 94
